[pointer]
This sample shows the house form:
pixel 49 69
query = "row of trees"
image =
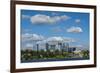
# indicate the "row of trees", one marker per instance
pixel 55 54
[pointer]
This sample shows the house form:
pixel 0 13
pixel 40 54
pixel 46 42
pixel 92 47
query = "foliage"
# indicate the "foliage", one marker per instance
pixel 27 55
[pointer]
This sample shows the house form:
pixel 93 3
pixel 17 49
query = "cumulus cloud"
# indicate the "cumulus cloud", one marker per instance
pixel 75 29
pixel 37 37
pixel 45 19
pixel 40 18
pixel 56 39
pixel 51 40
pixel 34 37
pixel 60 39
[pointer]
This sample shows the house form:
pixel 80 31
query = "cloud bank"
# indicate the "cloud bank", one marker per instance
pixel 41 39
pixel 34 37
pixel 45 19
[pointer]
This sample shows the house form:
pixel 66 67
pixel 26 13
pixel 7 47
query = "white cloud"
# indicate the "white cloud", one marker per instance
pixel 56 39
pixel 40 18
pixel 77 20
pixel 60 39
pixel 37 37
pixel 45 19
pixel 75 29
pixel 51 40
pixel 34 37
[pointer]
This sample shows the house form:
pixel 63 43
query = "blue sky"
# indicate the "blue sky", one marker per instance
pixel 60 24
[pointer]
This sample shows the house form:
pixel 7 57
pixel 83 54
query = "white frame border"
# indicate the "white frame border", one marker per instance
pixel 20 65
